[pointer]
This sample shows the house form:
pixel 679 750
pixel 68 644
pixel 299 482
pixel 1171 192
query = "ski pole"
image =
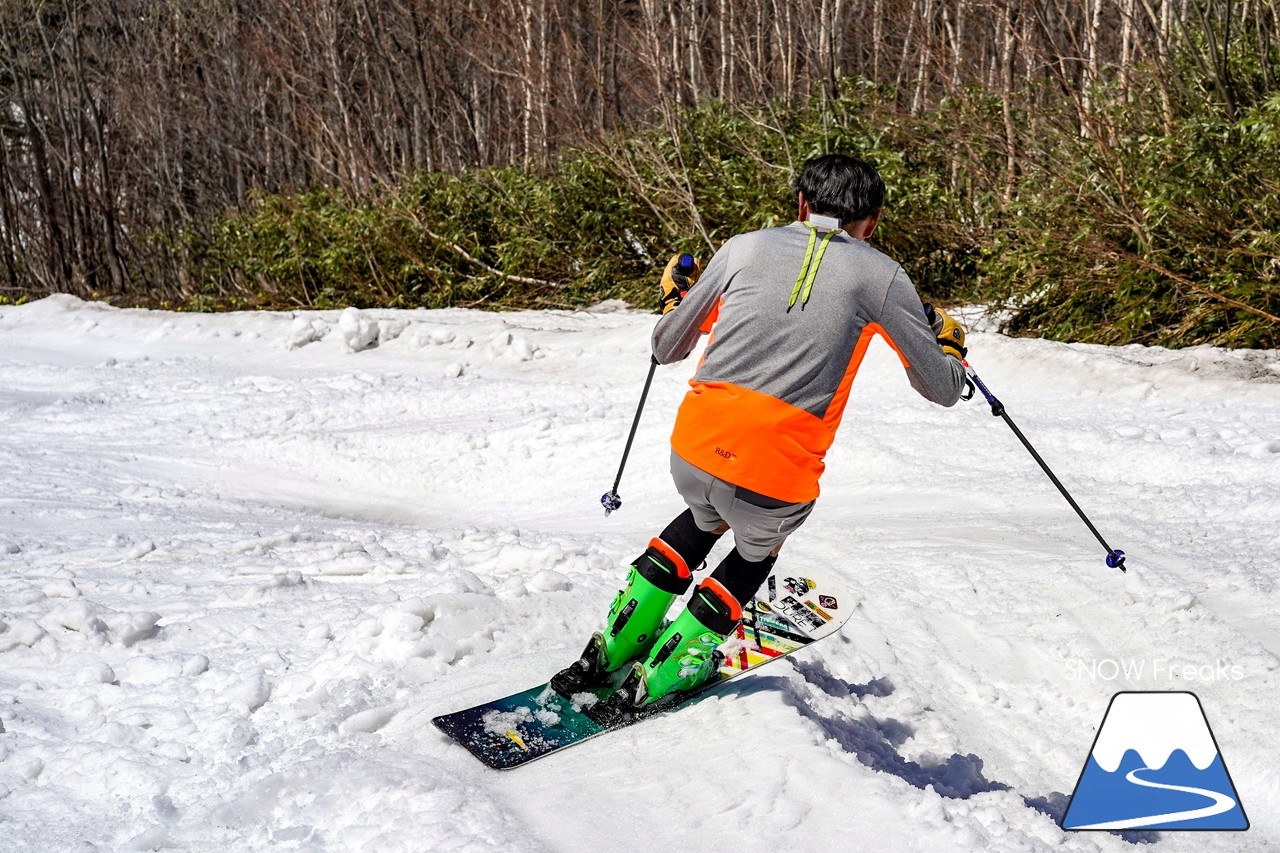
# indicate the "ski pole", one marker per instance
pixel 1115 559
pixel 610 499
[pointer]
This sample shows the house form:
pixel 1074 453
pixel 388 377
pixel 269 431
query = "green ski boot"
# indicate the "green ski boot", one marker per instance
pixel 684 658
pixel 635 620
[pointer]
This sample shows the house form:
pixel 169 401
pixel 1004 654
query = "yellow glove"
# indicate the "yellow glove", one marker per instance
pixel 950 333
pixel 677 278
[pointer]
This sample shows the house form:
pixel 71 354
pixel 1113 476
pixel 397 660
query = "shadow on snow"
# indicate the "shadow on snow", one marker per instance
pixel 875 743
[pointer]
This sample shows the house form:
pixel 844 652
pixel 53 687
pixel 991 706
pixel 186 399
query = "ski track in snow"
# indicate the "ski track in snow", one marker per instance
pixel 245 558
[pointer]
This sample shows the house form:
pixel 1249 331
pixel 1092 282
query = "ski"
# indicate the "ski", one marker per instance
pixel 789 613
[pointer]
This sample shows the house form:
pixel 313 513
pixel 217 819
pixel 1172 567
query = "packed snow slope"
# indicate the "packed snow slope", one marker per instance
pixel 245 558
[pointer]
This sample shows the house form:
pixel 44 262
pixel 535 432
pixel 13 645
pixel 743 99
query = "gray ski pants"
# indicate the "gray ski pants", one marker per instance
pixel 759 523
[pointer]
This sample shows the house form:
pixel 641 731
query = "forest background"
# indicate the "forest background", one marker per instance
pixel 1101 170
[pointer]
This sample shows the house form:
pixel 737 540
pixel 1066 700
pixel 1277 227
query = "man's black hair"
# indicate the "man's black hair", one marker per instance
pixel 841 186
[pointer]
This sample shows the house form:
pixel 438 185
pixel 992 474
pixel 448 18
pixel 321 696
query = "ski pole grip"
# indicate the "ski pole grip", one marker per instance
pixel 997 408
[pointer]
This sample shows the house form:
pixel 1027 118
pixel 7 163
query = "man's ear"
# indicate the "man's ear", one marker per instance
pixel 869 224
pixel 803 213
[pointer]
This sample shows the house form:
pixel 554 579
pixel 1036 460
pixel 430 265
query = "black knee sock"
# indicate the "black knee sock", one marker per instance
pixel 689 541
pixel 742 578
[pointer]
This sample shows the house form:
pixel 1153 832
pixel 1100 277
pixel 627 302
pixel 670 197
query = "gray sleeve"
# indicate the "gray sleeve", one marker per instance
pixel 677 331
pixel 938 377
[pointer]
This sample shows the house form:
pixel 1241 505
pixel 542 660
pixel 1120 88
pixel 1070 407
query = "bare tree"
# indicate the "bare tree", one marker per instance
pixel 127 126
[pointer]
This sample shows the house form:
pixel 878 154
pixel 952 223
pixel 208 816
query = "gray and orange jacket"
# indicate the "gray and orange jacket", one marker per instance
pixel 769 393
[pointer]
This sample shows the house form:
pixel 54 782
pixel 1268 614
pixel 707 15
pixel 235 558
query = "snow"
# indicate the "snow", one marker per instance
pixel 245 558
pixel 358 329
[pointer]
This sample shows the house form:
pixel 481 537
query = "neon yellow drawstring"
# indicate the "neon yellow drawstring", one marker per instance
pixel 808 272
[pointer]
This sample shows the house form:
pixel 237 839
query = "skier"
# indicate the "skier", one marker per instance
pixel 766 400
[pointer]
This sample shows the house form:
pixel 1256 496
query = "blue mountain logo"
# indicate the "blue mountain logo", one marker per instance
pixel 1154 765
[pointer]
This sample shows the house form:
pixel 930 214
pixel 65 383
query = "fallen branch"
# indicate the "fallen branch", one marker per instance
pixel 540 282
pixel 454 247
pixel 1198 288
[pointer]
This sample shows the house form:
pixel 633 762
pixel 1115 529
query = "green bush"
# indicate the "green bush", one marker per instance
pixel 1129 230
pixel 595 226
pixel 1153 238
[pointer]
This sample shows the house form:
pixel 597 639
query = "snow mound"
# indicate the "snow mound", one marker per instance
pixel 505 345
pixel 305 330
pixel 359 331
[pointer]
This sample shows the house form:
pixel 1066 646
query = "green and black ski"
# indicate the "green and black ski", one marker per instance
pixel 788 614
